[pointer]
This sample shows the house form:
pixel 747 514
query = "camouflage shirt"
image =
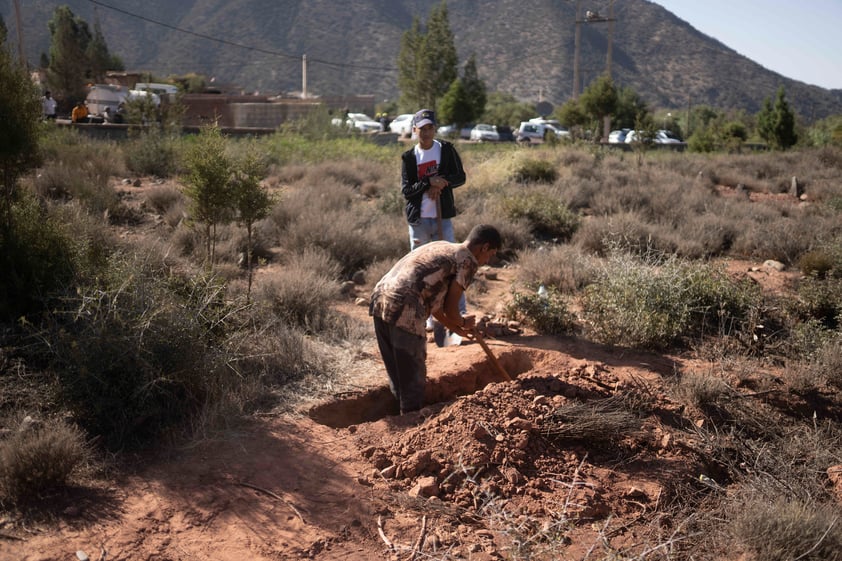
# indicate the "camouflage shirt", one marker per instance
pixel 417 284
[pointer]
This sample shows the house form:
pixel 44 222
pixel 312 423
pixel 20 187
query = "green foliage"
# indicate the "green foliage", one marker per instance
pixel 38 457
pixel 547 216
pixel 38 258
pixel 533 170
pixel 654 303
pixel 505 109
pixel 208 185
pixel 455 106
pixel 152 151
pixel 251 200
pixel 776 124
pixel 141 351
pixel 475 90
pixel 821 300
pixel 427 61
pixel 19 112
pixel 76 56
pixel 546 313
pixel 599 100
pixel 629 106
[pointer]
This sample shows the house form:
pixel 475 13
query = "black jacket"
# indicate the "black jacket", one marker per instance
pixel 413 189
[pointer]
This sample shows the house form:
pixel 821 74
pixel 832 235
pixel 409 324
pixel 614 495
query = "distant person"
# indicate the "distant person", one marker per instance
pixel 429 172
pixel 430 280
pixel 80 113
pixel 49 104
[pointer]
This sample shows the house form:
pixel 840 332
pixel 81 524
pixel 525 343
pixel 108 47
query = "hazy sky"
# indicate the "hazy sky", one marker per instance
pixel 798 39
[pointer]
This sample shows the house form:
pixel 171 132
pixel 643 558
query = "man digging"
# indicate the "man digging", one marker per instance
pixel 429 280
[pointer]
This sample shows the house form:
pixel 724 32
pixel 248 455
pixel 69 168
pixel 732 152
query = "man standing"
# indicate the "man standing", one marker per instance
pixel 429 280
pixel 49 106
pixel 429 173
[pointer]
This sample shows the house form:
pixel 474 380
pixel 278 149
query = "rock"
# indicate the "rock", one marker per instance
pixel 359 277
pixel 416 463
pixel 520 423
pixel 348 288
pixel 636 494
pixel 389 472
pixel 795 188
pixel 491 275
pixel 136 183
pixel 540 400
pixel 775 265
pixel 362 302
pixel 425 487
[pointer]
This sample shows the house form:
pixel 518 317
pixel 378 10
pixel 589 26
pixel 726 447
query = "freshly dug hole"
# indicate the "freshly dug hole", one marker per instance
pixel 378 403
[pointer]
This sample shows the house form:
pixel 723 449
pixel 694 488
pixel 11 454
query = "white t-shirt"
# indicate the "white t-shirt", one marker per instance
pixel 428 164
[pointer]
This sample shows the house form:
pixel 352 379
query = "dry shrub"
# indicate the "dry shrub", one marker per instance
pixel 564 267
pixel 700 390
pixel 625 229
pixel 164 197
pixel 600 421
pixel 39 457
pixel 300 297
pixel 784 530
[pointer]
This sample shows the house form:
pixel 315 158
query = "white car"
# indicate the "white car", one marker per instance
pixel 402 124
pixel 485 133
pixel 362 123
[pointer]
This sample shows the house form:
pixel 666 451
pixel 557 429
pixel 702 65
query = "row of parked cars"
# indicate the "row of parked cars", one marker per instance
pixel 628 136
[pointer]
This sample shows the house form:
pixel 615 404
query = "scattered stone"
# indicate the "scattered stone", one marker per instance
pixel 540 400
pixel 636 494
pixel 795 188
pixel 362 302
pixel 520 423
pixel 425 487
pixel 359 277
pixel 775 265
pixel 136 183
pixel 389 472
pixel 491 275
pixel 348 288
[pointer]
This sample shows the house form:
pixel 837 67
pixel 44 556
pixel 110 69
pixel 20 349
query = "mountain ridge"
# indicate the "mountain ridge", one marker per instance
pixel 522 48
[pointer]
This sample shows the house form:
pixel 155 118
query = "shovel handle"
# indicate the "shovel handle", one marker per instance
pixel 438 218
pixel 493 359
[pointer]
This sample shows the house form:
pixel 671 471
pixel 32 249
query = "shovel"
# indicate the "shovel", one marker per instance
pixel 491 358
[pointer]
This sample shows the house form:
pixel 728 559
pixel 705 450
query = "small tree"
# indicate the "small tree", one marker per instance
pixel 456 106
pixel 209 185
pixel 599 100
pixel 252 201
pixel 776 123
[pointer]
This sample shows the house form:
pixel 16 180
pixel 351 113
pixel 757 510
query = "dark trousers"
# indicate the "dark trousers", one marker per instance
pixel 405 357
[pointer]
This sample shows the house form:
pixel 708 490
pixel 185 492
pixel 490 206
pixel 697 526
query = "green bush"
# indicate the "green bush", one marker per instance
pixel 153 152
pixel 821 300
pixel 546 313
pixel 654 303
pixel 141 352
pixel 535 171
pixel 547 215
pixel 39 257
pixel 39 457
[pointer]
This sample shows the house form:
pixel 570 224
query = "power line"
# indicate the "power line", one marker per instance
pixel 311 60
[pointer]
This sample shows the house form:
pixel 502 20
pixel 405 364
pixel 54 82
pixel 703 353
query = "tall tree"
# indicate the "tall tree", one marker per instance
pixel 408 67
pixel 427 61
pixel 776 123
pixel 455 106
pixel 474 89
pixel 99 59
pixel 68 69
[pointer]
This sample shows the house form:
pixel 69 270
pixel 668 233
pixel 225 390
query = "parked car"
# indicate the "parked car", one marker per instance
pixel 362 123
pixel 402 124
pixel 661 137
pixel 559 129
pixel 450 131
pixel 485 133
pixel 618 136
pixel 539 132
pixel 505 133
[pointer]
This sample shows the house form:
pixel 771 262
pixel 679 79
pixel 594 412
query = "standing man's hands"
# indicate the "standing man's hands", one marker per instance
pixel 437 184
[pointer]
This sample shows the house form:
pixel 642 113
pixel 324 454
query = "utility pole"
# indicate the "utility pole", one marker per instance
pixel 610 35
pixel 304 76
pixel 20 33
pixel 577 41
